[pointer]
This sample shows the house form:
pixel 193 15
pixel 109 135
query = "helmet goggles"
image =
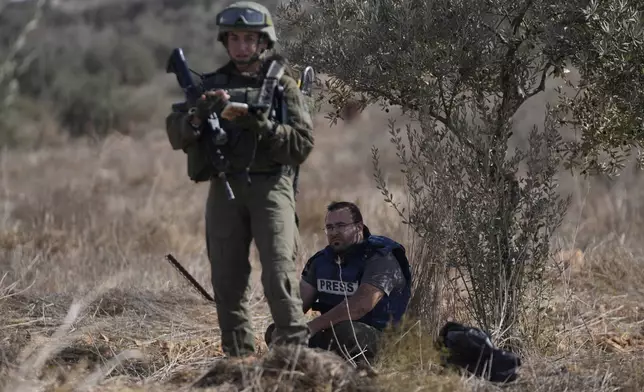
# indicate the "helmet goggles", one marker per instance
pixel 240 17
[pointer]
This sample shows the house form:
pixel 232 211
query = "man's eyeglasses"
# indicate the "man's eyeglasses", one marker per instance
pixel 339 226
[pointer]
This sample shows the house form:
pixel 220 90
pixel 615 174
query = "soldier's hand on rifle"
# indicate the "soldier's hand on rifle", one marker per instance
pixel 213 101
pixel 256 121
pixel 216 95
pixel 234 110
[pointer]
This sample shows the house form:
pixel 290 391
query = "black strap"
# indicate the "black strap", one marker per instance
pixel 271 81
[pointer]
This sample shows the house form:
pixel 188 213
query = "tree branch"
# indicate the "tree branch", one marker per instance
pixel 441 93
pixel 508 80
pixel 453 98
pixel 493 31
pixel 542 84
pixel 403 102
pixel 516 23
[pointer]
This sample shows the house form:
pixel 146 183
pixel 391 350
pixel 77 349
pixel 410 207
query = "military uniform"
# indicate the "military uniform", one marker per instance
pixel 261 157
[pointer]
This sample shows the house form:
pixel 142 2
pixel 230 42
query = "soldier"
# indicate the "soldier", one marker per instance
pixel 360 283
pixel 261 157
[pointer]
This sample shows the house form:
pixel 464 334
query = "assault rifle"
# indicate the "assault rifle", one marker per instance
pixel 177 65
pixel 215 136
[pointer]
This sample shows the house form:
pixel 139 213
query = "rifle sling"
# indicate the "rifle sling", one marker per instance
pixel 271 81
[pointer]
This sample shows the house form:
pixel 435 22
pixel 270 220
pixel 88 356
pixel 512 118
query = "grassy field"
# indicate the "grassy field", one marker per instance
pixel 87 301
pixel 91 222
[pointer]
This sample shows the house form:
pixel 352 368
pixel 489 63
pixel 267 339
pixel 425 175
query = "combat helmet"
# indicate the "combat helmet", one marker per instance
pixel 247 16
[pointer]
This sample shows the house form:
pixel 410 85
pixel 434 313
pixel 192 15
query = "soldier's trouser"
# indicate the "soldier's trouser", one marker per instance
pixel 341 339
pixel 265 212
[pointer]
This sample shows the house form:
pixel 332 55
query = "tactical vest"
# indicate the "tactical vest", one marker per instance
pixel 243 148
pixel 334 281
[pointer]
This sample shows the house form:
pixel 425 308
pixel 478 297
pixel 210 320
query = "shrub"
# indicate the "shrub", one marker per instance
pixel 463 70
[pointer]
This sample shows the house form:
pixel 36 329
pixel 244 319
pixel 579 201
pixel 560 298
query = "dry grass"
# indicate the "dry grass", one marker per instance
pixel 76 215
pixel 92 221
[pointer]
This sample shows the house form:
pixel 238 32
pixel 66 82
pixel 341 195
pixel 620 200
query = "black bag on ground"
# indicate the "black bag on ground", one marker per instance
pixel 472 349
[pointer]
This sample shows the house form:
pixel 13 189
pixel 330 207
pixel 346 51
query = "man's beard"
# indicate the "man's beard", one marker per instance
pixel 338 244
pixel 341 246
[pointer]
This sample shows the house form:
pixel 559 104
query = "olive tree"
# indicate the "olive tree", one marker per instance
pixel 463 69
pixel 11 65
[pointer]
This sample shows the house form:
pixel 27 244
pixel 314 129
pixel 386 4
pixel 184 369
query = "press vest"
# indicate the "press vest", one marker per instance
pixel 335 281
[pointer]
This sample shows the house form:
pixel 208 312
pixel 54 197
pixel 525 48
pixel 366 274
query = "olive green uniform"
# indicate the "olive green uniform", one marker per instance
pixel 260 171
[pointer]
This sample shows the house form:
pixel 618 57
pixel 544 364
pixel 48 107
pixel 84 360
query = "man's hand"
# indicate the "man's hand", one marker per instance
pixel 234 110
pixel 255 122
pixel 209 102
pixel 361 303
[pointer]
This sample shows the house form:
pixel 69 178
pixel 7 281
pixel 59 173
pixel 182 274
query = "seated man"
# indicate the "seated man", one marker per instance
pixel 359 282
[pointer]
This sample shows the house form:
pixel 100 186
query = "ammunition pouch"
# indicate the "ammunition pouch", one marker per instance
pixel 200 168
pixel 183 137
pixel 180 135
